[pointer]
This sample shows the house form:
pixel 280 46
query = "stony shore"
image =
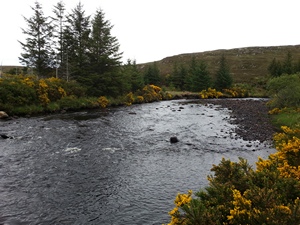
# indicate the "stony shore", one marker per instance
pixel 251 116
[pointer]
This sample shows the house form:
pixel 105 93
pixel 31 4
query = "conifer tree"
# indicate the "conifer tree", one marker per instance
pixel 134 77
pixel 38 53
pixel 223 76
pixel 76 43
pixel 287 66
pixel 178 76
pixel 275 68
pixel 104 48
pixel 200 78
pixel 152 74
pixel 58 22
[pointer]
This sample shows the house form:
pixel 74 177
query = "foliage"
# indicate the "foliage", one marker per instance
pixel 76 41
pixel 198 78
pixel 275 68
pixel 18 91
pixel 133 78
pixel 235 92
pixel 223 76
pixel 152 75
pixel 104 52
pixel 285 91
pixel 178 76
pixel 287 66
pixel 75 47
pixel 129 99
pixel 103 101
pixel 58 22
pixel 285 117
pixel 210 93
pixel 238 194
pixel 38 53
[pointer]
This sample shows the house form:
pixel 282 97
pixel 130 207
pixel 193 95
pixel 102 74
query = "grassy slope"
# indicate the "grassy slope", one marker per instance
pixel 247 65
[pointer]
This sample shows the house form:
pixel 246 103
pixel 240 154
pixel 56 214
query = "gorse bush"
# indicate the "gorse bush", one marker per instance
pixel 210 93
pixel 238 194
pixel 18 91
pixel 270 194
pixel 235 92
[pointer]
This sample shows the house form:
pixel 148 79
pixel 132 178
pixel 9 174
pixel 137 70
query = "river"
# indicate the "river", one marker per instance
pixel 113 166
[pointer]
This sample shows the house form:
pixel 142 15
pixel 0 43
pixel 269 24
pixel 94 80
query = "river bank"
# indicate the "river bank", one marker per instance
pixel 251 116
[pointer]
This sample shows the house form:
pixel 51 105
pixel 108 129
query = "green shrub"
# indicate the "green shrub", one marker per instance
pixel 285 91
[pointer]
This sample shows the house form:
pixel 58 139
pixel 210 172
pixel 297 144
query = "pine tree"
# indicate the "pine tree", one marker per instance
pixel 223 76
pixel 58 33
pixel 104 73
pixel 275 68
pixel 178 76
pixel 199 78
pixel 104 48
pixel 133 78
pixel 152 74
pixel 38 53
pixel 76 43
pixel 287 66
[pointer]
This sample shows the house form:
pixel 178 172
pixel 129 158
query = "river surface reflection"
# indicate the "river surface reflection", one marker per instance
pixel 114 166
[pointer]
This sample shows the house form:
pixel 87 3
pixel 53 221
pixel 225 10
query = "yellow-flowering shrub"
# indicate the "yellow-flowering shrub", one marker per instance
pixel 235 92
pixel 103 101
pixel 210 93
pixel 151 93
pixel 43 93
pixel 139 99
pixel 180 201
pixel 129 99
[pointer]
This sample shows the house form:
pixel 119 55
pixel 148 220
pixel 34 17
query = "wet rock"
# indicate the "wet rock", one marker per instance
pixel 3 115
pixel 4 136
pixel 174 139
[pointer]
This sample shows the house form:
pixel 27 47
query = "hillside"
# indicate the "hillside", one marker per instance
pixel 247 65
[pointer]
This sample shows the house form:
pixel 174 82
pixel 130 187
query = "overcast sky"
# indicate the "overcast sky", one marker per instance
pixel 150 30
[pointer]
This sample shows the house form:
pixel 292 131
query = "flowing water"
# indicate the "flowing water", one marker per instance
pixel 113 166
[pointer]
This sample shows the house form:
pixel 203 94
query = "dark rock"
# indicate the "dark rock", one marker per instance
pixel 174 140
pixel 4 136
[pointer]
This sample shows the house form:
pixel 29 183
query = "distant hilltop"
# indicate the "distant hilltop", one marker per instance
pixel 245 64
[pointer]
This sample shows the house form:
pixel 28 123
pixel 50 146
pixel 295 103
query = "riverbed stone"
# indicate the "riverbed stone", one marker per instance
pixel 174 139
pixel 3 115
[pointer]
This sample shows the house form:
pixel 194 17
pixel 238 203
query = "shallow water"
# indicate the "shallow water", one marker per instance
pixel 114 166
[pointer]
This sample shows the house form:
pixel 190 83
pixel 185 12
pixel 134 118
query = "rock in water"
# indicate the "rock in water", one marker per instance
pixel 174 140
pixel 3 115
pixel 4 136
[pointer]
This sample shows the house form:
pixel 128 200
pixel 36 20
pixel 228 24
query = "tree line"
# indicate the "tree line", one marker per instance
pixel 75 46
pixel 277 68
pixel 196 77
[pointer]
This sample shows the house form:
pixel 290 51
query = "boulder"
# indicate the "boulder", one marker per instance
pixel 3 115
pixel 4 136
pixel 174 140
